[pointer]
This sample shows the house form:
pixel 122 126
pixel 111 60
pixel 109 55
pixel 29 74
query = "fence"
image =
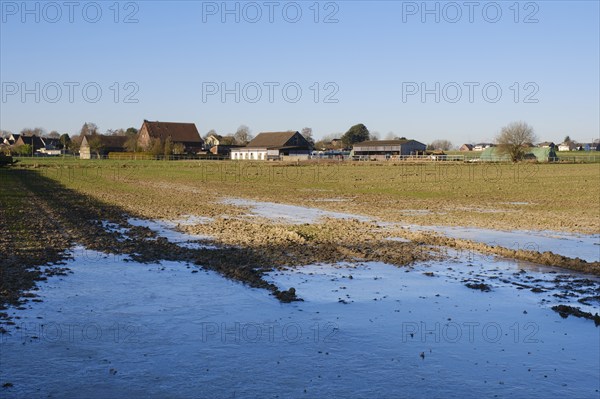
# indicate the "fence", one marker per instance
pixel 359 158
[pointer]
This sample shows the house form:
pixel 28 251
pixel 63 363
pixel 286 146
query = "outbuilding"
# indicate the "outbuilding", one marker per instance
pixel 386 149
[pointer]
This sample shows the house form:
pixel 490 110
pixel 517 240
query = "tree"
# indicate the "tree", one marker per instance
pixel 512 138
pixel 115 132
pixel 5 133
pixel 95 144
pixel 168 147
pixel 242 135
pixel 443 145
pixel 355 134
pixel 88 129
pixel 131 144
pixel 156 147
pixel 65 140
pixel 178 149
pixel 307 134
pixel 38 131
pixel 374 136
pixel 227 140
pixel 390 136
pixel 567 139
pixel 75 143
pixel 211 131
pixel 24 150
pixel 53 135
pixel 131 131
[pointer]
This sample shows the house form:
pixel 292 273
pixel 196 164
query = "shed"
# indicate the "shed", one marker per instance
pixel 384 149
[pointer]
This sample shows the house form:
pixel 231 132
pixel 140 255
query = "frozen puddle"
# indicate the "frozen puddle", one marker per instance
pixel 167 229
pixel 586 247
pixel 290 213
pixel 117 329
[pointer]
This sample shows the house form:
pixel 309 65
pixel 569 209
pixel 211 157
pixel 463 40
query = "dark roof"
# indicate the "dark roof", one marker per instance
pixel 179 132
pixel 275 140
pixel 34 141
pixel 377 143
pixel 109 142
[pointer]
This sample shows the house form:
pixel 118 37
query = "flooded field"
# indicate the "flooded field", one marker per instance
pixel 468 325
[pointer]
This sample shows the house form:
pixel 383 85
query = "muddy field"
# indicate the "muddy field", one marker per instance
pixel 526 230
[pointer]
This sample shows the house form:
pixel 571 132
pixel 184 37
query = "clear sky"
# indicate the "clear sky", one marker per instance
pixel 435 70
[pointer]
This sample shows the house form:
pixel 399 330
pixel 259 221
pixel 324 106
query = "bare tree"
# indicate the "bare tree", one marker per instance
pixel 115 132
pixel 307 134
pixel 390 136
pixel 512 139
pixel 88 129
pixel 443 145
pixel 131 144
pixel 96 145
pixel 374 136
pixel 178 149
pixel 211 131
pixel 53 135
pixel 38 131
pixel 242 135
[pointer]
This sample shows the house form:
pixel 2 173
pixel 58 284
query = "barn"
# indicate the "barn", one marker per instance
pixel 274 146
pixel 179 133
pixel 98 144
pixel 386 149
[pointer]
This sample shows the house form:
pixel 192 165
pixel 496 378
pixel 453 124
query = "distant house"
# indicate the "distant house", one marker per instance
pixel 217 140
pixel 483 146
pixel 12 139
pixel 336 144
pixel 546 144
pixel 591 146
pixel 104 145
pixel 34 141
pixel 222 149
pixel 568 146
pixel 466 147
pixel 274 146
pixel 182 133
pixel 384 149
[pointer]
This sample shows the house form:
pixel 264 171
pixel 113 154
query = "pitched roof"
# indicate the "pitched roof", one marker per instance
pixel 379 143
pixel 272 139
pixel 34 141
pixel 109 141
pixel 179 132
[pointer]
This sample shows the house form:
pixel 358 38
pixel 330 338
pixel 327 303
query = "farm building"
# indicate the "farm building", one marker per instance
pixel 100 145
pixel 213 140
pixel 482 146
pixel 222 149
pixel 12 139
pixel 274 146
pixel 182 133
pixel 570 146
pixel 591 146
pixel 466 147
pixel 385 149
pixel 546 144
pixel 34 141
pixel 494 154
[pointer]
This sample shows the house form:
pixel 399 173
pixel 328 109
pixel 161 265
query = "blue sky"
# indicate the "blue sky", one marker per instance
pixel 368 64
